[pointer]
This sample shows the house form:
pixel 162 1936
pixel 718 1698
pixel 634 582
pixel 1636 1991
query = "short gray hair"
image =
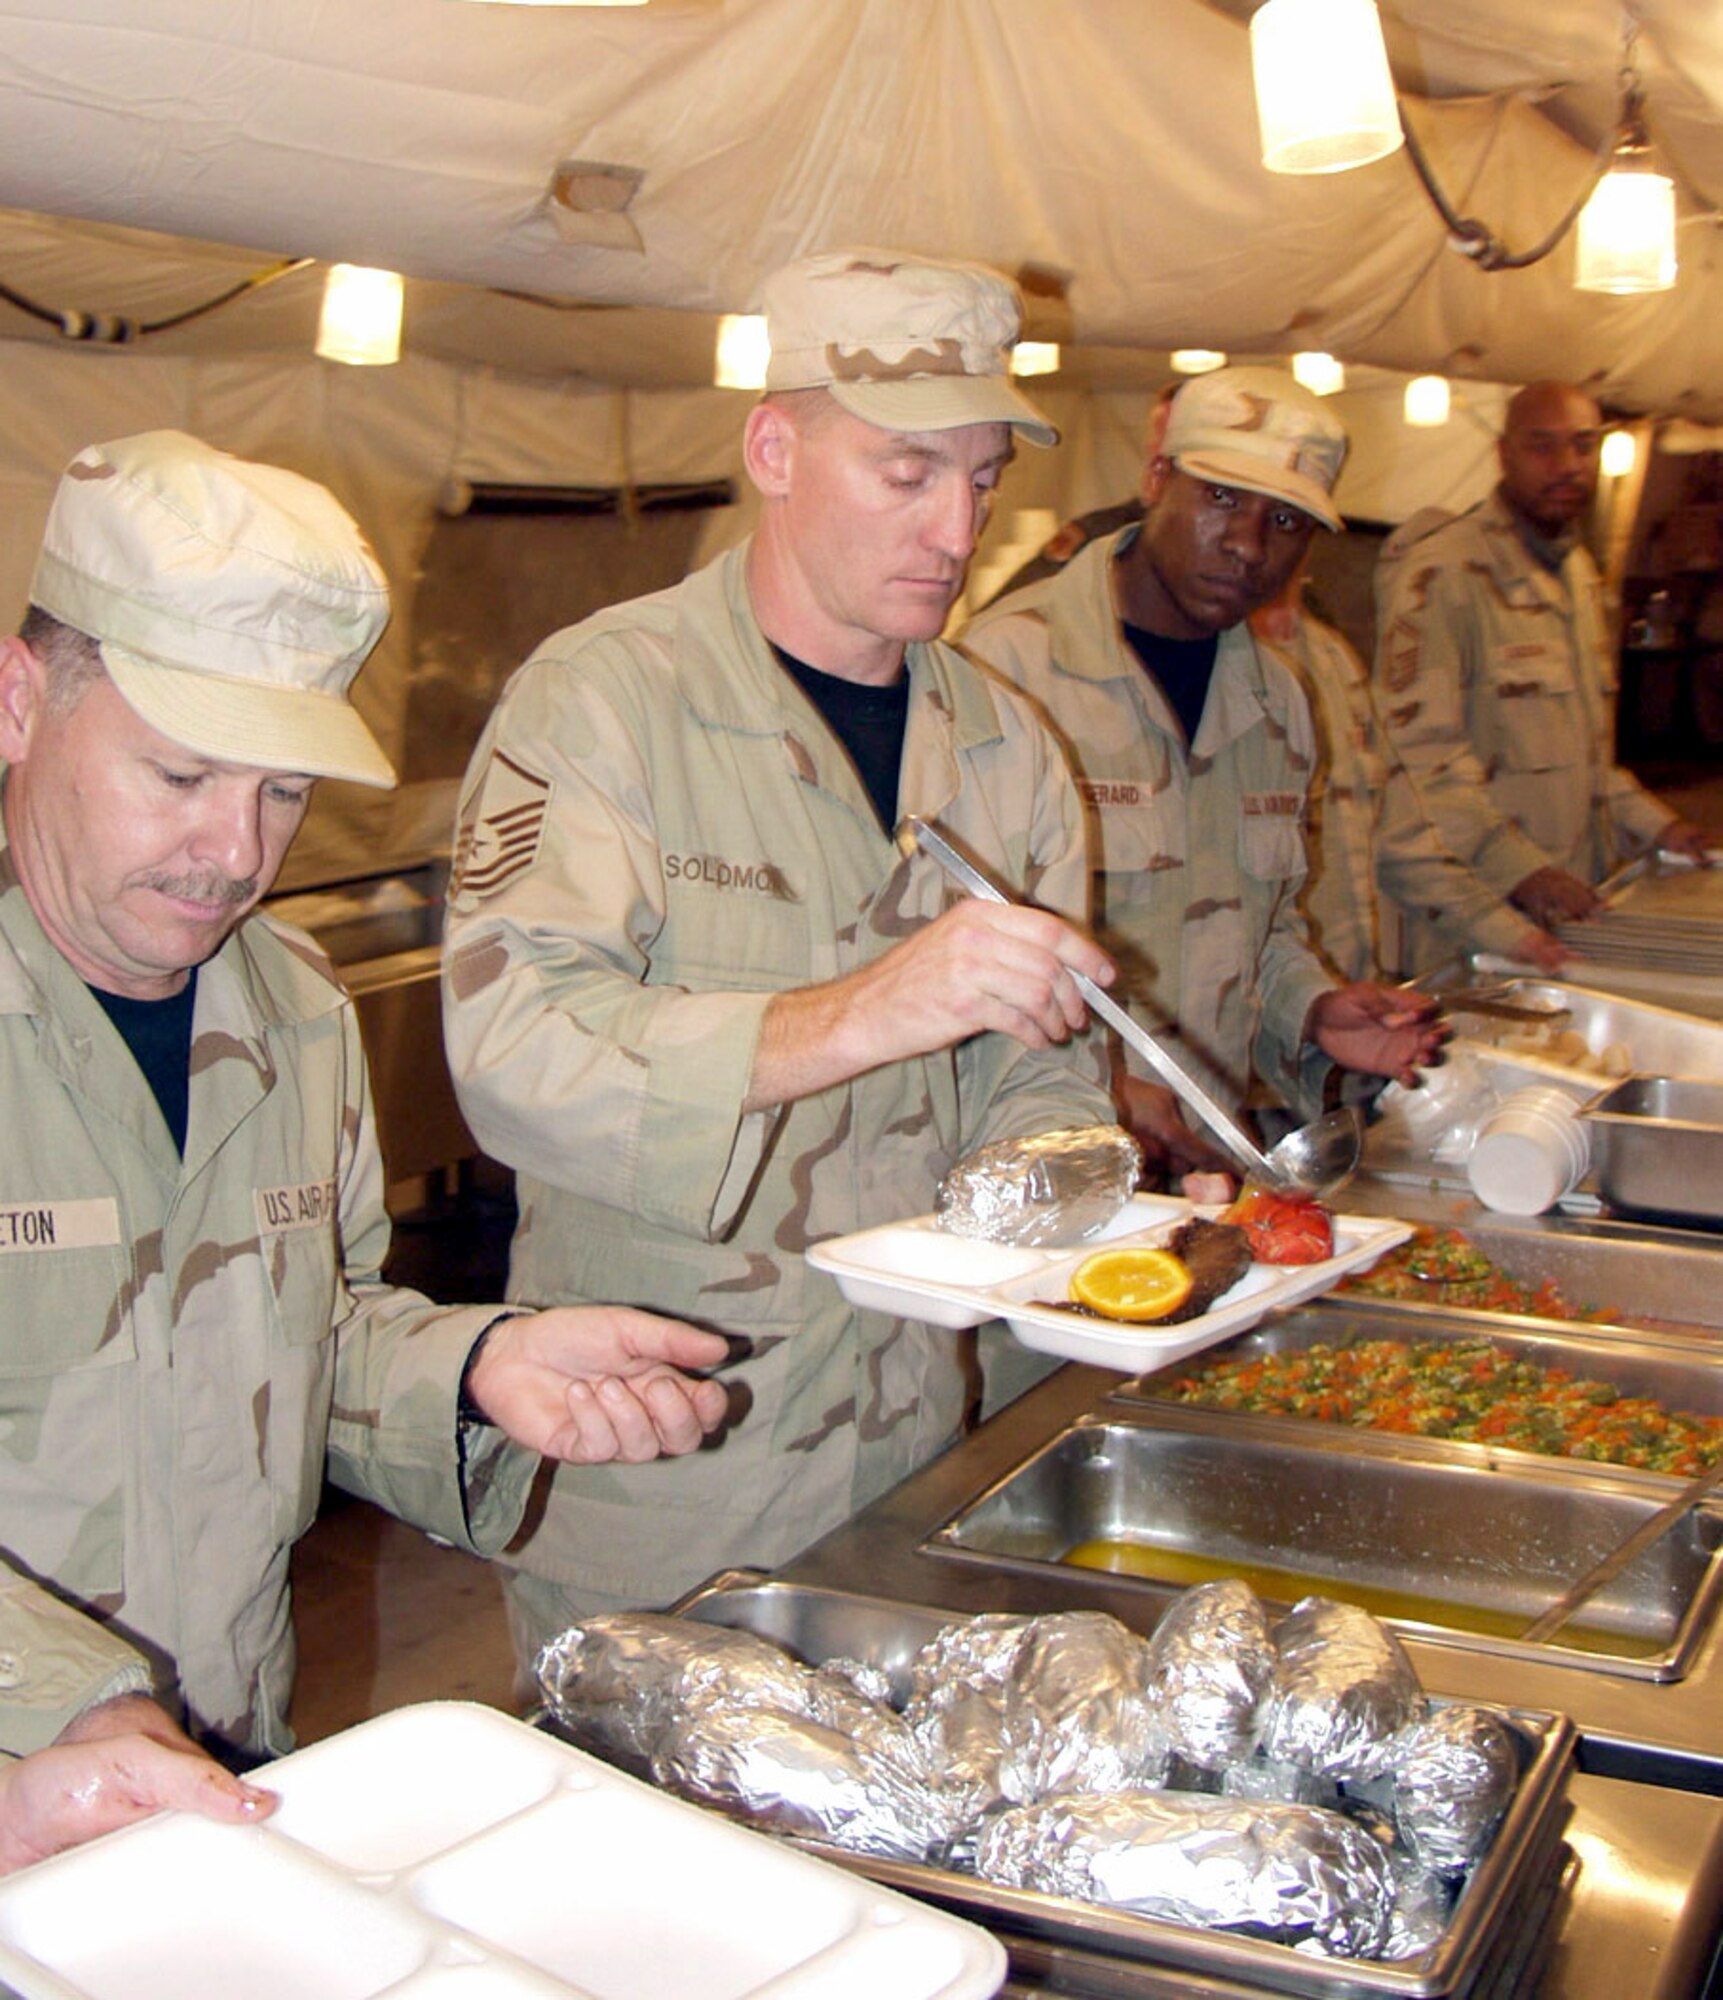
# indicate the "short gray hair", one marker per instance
pixel 73 659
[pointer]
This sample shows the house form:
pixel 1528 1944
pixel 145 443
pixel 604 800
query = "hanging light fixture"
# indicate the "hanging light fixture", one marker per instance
pixel 1325 98
pixel 742 352
pixel 361 318
pixel 1035 357
pixel 1196 360
pixel 1626 237
pixel 1426 402
pixel 1618 454
pixel 1321 374
pixel 1324 94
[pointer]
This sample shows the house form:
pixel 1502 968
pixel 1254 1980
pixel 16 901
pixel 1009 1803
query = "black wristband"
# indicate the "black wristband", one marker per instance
pixel 466 1410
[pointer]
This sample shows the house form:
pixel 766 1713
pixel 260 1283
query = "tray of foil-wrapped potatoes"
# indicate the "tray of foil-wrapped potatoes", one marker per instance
pixel 1271 1801
pixel 1048 1234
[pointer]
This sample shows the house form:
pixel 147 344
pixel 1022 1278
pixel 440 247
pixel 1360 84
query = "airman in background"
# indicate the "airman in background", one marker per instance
pixel 1496 681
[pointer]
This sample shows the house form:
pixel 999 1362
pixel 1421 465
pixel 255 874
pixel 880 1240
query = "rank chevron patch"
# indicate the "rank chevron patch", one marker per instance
pixel 503 842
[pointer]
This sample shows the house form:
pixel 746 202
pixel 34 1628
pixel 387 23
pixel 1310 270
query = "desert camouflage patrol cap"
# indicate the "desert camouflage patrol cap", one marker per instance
pixel 232 602
pixel 1258 429
pixel 908 343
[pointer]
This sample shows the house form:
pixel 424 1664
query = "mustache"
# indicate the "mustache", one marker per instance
pixel 205 888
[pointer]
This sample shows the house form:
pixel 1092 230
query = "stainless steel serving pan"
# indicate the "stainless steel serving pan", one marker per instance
pixel 1681 1374
pixel 1667 1277
pixel 1661 1040
pixel 1101 1951
pixel 1657 1147
pixel 1455 1544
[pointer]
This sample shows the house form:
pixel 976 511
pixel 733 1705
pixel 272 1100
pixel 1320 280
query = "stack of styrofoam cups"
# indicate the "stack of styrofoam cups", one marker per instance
pixel 1529 1152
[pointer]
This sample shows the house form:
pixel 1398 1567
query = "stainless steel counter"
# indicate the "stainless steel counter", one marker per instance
pixel 1630 1919
pixel 1639 1915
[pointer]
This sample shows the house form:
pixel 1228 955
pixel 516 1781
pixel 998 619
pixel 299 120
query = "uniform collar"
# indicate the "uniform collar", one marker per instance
pixel 730 679
pixel 1549 552
pixel 1079 605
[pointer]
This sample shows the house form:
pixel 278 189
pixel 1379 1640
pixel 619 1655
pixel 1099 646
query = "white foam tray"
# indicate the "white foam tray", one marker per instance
pixel 923 1272
pixel 449 1852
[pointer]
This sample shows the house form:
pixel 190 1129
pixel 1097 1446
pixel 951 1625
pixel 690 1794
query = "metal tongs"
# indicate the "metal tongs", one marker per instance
pixel 1311 1162
pixel 1652 1529
pixel 1500 998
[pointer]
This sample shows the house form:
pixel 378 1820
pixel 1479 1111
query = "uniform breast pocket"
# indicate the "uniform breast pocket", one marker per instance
pixel 1270 845
pixel 300 1266
pixel 1139 838
pixel 1537 709
pixel 64 1310
pixel 299 1371
pixel 67 1340
pixel 731 926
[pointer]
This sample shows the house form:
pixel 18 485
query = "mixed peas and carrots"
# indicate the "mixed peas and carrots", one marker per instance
pixel 1439 1267
pixel 1468 1389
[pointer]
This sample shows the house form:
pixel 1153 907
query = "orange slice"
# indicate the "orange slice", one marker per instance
pixel 1131 1284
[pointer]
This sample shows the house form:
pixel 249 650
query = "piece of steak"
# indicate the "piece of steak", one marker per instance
pixel 1217 1255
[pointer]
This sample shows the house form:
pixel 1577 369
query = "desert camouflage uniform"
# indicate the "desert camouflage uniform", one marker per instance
pixel 1198 856
pixel 658 833
pixel 1366 834
pixel 1339 894
pixel 1496 684
pixel 185 1340
pixel 54 1664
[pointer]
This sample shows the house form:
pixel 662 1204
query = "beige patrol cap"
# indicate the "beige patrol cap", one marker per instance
pixel 232 602
pixel 1259 429
pixel 908 343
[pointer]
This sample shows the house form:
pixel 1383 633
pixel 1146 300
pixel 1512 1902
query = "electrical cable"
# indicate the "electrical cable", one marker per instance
pixel 118 330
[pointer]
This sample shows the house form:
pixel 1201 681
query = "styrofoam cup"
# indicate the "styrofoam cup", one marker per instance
pixel 1529 1153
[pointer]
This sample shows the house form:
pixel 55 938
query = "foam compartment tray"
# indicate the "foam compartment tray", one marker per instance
pixel 448 1852
pixel 924 1272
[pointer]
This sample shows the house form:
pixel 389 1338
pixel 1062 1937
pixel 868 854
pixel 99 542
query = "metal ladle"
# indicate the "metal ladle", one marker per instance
pixel 1313 1162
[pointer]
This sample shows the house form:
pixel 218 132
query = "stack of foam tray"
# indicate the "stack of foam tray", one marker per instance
pixel 1658 915
pixel 448 1852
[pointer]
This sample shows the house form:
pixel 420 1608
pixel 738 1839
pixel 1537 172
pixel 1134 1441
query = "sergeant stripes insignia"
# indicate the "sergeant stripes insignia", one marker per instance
pixel 491 851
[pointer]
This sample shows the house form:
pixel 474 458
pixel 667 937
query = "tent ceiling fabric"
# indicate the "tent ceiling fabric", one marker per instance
pixel 1107 141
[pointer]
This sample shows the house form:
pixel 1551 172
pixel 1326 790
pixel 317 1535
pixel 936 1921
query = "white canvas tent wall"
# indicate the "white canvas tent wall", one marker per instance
pixel 150 154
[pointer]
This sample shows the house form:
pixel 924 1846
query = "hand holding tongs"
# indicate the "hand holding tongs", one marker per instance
pixel 1500 998
pixel 1178 1079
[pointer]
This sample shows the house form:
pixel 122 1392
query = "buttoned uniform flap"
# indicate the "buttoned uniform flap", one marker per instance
pixel 298 1242
pixel 1536 705
pixel 1530 667
pixel 1271 834
pixel 64 1277
pixel 1137 828
pixel 732 921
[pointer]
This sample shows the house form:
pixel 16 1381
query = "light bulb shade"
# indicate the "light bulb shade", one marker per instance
pixel 1426 401
pixel 361 318
pixel 1035 357
pixel 1324 95
pixel 743 351
pixel 1321 374
pixel 1626 237
pixel 1196 360
pixel 1618 455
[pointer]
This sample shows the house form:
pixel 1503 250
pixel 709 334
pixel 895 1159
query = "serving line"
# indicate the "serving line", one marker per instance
pixel 1641 1913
